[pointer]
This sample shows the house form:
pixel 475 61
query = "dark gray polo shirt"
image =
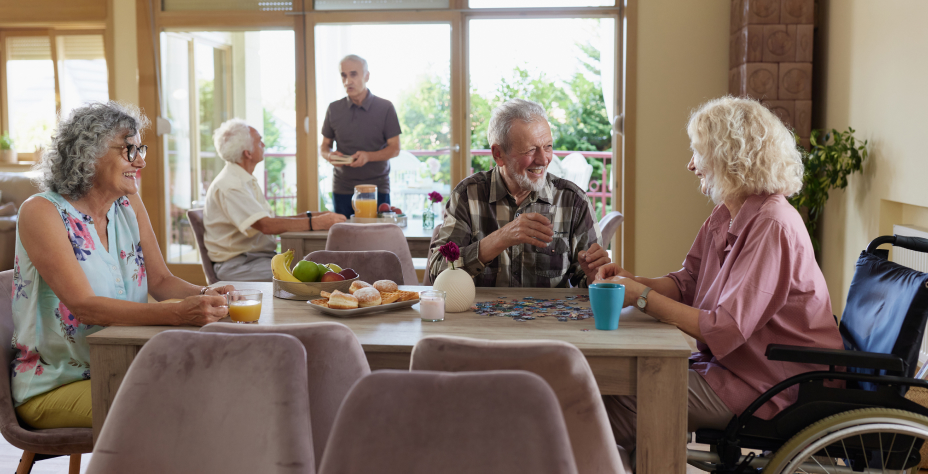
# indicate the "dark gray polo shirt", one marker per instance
pixel 364 128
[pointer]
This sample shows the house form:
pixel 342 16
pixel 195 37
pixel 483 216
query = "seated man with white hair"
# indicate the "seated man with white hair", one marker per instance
pixel 239 223
pixel 517 225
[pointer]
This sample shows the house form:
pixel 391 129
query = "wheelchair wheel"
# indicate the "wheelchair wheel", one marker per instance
pixel 866 440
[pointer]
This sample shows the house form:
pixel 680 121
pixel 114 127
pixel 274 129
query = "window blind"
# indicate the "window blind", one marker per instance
pixel 251 5
pixel 28 48
pixel 379 4
pixel 80 47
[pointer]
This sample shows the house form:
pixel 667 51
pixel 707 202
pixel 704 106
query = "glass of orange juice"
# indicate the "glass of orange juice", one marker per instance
pixel 364 200
pixel 244 305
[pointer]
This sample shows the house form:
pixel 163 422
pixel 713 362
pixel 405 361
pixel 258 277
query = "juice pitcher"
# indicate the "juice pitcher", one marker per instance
pixel 364 201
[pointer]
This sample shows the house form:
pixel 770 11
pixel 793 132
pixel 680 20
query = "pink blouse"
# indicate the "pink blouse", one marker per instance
pixel 756 283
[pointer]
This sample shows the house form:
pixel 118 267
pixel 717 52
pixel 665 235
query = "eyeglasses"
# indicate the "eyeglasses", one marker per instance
pixel 133 151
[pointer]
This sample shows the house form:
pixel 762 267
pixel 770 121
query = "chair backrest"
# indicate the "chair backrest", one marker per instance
pixel 371 265
pixel 334 362
pixel 427 277
pixel 210 403
pixel 355 237
pixel 428 422
pixel 577 170
pixel 60 441
pixel 195 217
pixel 608 225
pixel 886 310
pixel 560 364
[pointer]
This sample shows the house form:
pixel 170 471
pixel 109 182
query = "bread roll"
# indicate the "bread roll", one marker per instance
pixel 339 300
pixel 385 286
pixel 357 285
pixel 367 297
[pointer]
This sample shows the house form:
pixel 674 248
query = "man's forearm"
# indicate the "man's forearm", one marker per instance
pixel 279 225
pixel 490 248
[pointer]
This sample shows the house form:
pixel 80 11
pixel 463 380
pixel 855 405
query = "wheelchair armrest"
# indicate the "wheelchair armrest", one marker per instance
pixel 835 357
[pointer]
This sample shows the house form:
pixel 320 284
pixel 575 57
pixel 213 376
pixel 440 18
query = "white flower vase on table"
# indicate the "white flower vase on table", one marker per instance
pixel 457 284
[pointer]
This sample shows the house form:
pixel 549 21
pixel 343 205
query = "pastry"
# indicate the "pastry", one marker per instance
pixel 339 300
pixel 366 297
pixel 357 285
pixel 385 286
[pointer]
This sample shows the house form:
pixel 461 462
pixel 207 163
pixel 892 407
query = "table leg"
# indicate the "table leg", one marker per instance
pixel 109 364
pixel 662 398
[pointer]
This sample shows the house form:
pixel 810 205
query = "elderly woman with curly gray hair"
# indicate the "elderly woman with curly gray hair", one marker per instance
pixel 87 257
pixel 750 278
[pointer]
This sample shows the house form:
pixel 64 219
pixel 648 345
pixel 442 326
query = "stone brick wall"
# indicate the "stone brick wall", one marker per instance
pixel 770 58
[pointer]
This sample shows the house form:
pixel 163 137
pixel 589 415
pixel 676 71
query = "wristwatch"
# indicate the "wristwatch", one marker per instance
pixel 643 299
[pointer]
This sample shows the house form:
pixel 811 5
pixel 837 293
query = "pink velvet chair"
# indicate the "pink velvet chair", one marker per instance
pixel 334 362
pixel 433 422
pixel 371 265
pixel 195 218
pixel 560 364
pixel 210 403
pixel 390 237
pixel 36 444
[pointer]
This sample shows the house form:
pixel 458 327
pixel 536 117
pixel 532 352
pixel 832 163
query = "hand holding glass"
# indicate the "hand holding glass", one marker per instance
pixel 244 305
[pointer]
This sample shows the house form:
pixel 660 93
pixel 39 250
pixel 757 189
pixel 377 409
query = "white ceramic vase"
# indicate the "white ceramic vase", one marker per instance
pixel 459 289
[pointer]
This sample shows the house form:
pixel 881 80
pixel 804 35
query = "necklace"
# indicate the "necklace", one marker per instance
pixel 730 222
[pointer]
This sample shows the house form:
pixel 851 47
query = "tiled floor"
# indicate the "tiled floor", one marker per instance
pixel 9 460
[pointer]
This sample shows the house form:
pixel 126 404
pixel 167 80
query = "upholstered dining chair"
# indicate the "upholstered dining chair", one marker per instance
pixel 371 265
pixel 608 225
pixel 560 364
pixel 334 362
pixel 195 218
pixel 426 422
pixel 355 237
pixel 210 403
pixel 36 444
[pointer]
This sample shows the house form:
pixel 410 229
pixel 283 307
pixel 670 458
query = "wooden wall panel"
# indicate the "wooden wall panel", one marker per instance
pixel 44 12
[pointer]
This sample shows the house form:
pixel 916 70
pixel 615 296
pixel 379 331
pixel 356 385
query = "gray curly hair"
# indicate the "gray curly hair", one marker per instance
pixel 503 116
pixel 68 165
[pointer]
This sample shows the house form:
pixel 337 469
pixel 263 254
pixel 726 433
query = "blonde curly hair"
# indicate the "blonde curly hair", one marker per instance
pixel 744 149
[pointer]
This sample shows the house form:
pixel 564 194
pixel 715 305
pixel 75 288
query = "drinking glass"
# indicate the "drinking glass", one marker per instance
pixel 244 305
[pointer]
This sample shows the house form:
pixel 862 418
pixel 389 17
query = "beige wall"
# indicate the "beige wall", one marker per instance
pixel 682 61
pixel 125 54
pixel 873 69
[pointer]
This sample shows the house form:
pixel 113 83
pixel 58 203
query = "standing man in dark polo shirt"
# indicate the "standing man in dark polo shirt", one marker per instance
pixel 365 128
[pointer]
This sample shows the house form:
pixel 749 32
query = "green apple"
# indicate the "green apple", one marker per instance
pixel 306 271
pixel 322 269
pixel 335 268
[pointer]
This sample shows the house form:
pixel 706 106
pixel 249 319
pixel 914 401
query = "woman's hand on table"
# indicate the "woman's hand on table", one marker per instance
pixel 220 290
pixel 633 289
pixel 611 270
pixel 201 310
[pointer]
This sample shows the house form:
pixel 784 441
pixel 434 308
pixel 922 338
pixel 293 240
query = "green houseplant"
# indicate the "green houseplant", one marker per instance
pixel 7 153
pixel 832 157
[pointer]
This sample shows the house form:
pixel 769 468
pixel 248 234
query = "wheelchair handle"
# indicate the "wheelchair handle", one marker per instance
pixel 917 244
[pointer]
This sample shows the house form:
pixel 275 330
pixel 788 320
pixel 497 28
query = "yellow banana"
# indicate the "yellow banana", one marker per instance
pixel 280 266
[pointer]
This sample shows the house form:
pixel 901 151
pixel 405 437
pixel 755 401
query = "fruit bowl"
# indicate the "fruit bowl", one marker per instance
pixel 295 290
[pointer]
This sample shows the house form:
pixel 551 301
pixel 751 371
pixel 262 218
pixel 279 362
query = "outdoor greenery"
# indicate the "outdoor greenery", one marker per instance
pixel 6 143
pixel 576 111
pixel 833 157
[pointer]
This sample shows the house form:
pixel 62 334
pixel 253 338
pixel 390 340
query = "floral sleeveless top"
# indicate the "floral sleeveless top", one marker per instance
pixel 51 345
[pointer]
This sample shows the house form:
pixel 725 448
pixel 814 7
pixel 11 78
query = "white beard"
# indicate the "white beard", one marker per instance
pixel 528 184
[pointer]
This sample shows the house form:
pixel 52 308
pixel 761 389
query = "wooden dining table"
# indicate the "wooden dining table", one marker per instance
pixel 643 357
pixel 305 242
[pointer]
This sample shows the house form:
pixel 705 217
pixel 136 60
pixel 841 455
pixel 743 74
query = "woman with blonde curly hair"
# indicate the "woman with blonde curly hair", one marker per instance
pixel 749 280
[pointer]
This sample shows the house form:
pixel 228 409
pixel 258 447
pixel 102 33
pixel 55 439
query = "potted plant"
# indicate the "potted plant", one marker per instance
pixel 7 153
pixel 832 157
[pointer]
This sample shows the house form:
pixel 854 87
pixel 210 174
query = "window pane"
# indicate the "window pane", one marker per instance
pixel 378 4
pixel 175 57
pixel 569 74
pixel 539 3
pixel 259 5
pixel 415 76
pixel 81 71
pixel 30 77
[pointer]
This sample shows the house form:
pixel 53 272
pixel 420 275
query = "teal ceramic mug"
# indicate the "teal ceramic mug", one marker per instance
pixel 606 299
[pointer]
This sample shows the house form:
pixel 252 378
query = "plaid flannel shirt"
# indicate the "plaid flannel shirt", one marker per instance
pixel 481 205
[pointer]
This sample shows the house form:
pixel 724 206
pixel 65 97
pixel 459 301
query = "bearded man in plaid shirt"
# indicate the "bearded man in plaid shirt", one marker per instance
pixel 516 225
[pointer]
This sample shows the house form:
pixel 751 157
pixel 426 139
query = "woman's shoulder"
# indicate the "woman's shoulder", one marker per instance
pixel 775 209
pixel 44 202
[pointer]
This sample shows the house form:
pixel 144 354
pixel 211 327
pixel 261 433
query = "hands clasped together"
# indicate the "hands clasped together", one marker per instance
pixel 613 273
pixel 359 159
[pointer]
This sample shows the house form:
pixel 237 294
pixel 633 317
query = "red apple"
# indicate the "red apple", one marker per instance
pixel 397 210
pixel 384 208
pixel 331 276
pixel 349 273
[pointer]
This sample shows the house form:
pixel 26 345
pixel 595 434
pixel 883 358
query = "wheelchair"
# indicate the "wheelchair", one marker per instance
pixel 866 426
